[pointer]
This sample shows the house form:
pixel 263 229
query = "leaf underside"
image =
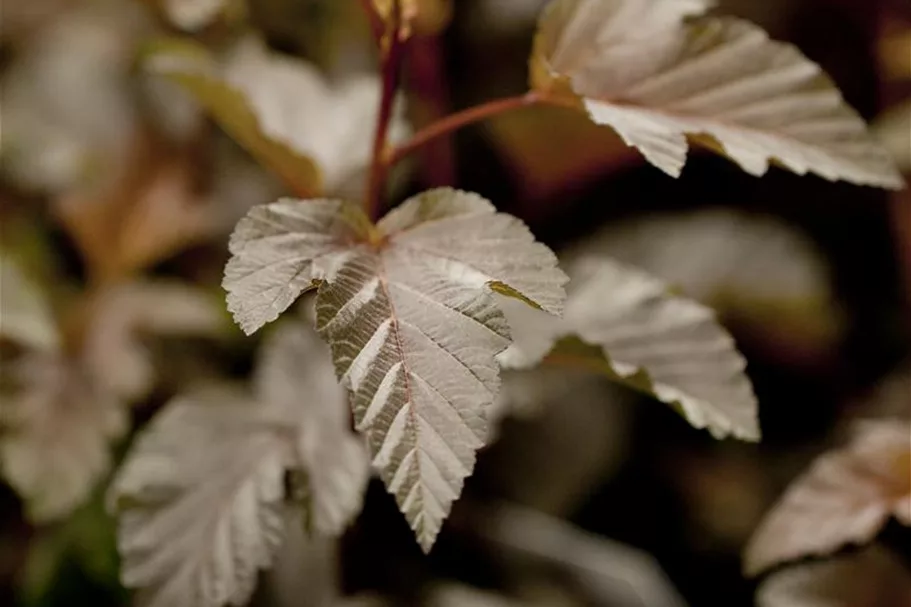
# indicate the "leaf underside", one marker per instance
pixel 657 71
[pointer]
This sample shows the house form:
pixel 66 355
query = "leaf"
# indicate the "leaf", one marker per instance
pixel 871 577
pixel 55 426
pixel 459 595
pixel 25 314
pixel 190 66
pixel 408 309
pixel 206 492
pixel 657 71
pixel 610 573
pixel 845 497
pixel 192 15
pixel 634 331
pixel 123 314
pixel 201 501
pixel 332 460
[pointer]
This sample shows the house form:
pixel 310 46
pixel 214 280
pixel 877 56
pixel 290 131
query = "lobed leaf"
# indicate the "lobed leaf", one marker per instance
pixel 55 428
pixel 635 331
pixel 25 315
pixel 206 493
pixel 657 71
pixel 846 497
pixel 408 308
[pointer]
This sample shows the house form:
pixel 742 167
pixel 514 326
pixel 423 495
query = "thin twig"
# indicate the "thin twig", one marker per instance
pixel 469 116
pixel 390 66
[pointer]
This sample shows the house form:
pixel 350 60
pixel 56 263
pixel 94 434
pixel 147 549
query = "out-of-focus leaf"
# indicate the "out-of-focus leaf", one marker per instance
pixel 634 331
pixel 25 315
pixel 609 572
pixel 872 577
pixel 201 501
pixel 190 66
pixel 548 148
pixel 149 212
pixel 191 15
pixel 846 497
pixel 893 129
pixel 205 495
pixel 751 269
pixel 408 308
pixel 333 464
pixel 68 114
pixel 657 71
pixel 55 428
pixel 124 314
pixel 458 595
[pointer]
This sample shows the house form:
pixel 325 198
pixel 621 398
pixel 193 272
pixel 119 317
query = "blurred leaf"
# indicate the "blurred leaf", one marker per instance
pixel 458 595
pixel 548 148
pixel 893 129
pixel 609 572
pixel 55 427
pixel 183 62
pixel 846 497
pixel 407 308
pixel 145 215
pixel 754 270
pixel 202 498
pixel 873 578
pixel 25 314
pixel 192 15
pixel 657 70
pixel 635 332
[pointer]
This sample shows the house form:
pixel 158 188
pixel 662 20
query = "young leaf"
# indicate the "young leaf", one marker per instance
pixel 846 497
pixel 201 501
pixel 55 428
pixel 205 494
pixel 633 330
pixel 25 315
pixel 408 309
pixel 873 576
pixel 657 71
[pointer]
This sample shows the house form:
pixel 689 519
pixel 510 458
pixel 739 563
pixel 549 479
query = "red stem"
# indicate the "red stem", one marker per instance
pixel 390 65
pixel 469 116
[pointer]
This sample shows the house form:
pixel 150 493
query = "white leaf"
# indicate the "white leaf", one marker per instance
pixel 664 344
pixel 871 577
pixel 657 70
pixel 296 375
pixel 846 497
pixel 113 350
pixel 409 311
pixel 327 121
pixel 201 501
pixel 25 315
pixel 55 429
pixel 609 572
pixel 192 15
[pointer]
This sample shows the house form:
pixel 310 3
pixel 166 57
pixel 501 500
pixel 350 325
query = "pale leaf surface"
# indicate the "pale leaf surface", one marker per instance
pixel 114 351
pixel 635 331
pixel 657 71
pixel 408 308
pixel 414 328
pixel 200 501
pixel 191 15
pixel 846 497
pixel 55 430
pixel 327 121
pixel 295 374
pixel 872 577
pixel 25 315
